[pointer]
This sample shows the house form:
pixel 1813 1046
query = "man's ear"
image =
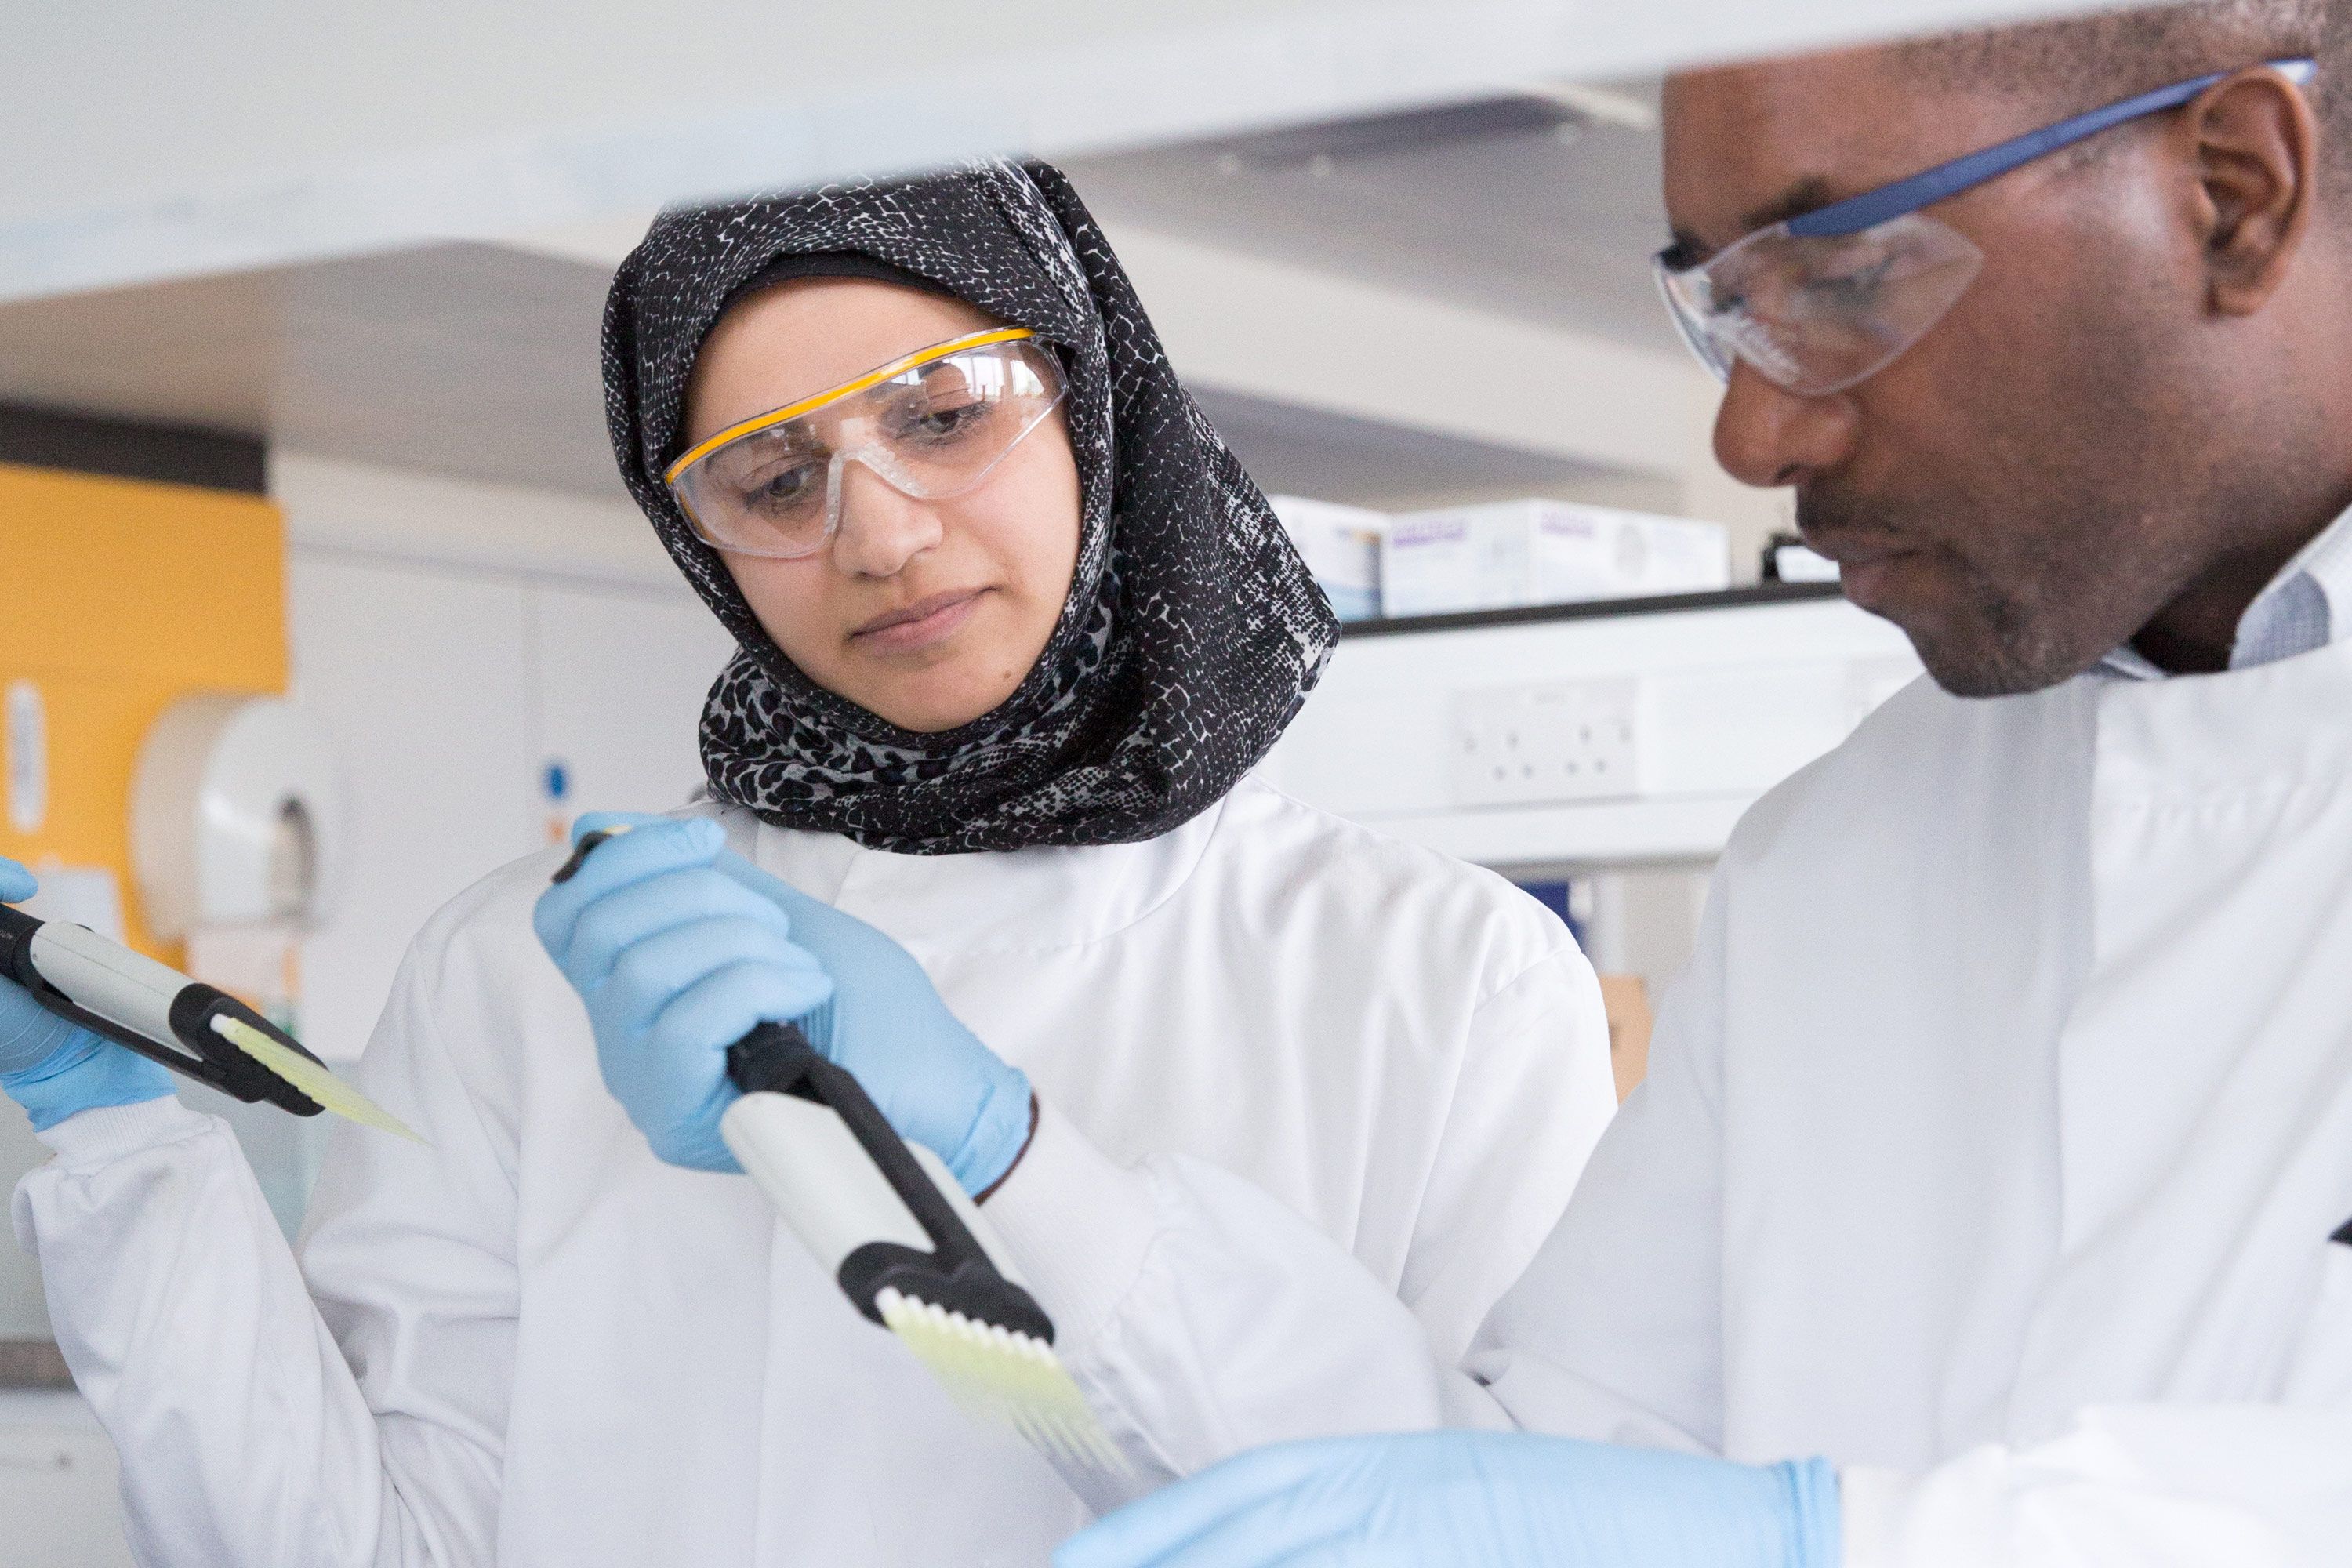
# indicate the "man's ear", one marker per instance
pixel 2255 146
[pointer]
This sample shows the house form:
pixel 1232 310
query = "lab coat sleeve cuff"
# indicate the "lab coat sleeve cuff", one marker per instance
pixel 1077 1224
pixel 1948 1517
pixel 107 1133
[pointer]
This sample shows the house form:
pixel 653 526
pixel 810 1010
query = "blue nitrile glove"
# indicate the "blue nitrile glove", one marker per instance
pixel 680 947
pixel 1501 1500
pixel 54 1068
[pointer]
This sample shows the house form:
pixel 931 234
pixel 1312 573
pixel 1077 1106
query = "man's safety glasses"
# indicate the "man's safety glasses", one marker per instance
pixel 1821 301
pixel 934 425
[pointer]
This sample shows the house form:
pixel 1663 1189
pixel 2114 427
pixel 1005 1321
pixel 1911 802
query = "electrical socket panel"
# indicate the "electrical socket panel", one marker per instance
pixel 1558 741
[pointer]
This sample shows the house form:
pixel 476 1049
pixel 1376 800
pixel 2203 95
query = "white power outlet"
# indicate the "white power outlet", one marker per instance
pixel 1560 741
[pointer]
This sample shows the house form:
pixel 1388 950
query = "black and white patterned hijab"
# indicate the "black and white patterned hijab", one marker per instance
pixel 1193 631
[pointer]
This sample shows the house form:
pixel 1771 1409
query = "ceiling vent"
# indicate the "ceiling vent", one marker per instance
pixel 1321 146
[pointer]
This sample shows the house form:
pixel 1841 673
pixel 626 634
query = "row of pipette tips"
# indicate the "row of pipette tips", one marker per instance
pixel 999 1373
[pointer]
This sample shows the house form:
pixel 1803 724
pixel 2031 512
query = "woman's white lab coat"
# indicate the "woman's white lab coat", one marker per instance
pixel 1992 1147
pixel 537 1345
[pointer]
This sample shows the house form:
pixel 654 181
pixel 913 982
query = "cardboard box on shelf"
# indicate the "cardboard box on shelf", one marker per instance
pixel 1537 551
pixel 1439 562
pixel 1341 545
pixel 1627 999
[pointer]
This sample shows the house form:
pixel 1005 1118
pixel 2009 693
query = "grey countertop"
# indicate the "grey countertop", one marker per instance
pixel 32 1364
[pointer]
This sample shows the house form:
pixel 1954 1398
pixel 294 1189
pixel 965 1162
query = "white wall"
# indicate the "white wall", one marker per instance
pixel 458 639
pixel 1720 704
pixel 1717 705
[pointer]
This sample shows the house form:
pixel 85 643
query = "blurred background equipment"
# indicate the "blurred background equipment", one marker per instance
pixel 1341 545
pixel 1504 554
pixel 236 824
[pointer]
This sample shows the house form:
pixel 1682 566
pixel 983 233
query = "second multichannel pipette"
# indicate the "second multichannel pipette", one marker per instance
pixel 191 1027
pixel 900 1237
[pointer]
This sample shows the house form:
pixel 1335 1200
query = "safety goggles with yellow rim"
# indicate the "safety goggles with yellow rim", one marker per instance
pixel 934 425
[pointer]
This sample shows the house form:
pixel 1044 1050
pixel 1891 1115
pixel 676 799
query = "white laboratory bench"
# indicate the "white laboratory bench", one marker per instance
pixel 59 1505
pixel 1575 737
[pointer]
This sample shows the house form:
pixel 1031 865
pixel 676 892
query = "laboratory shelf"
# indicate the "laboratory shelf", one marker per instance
pixel 32 1364
pixel 1593 609
pixel 1566 838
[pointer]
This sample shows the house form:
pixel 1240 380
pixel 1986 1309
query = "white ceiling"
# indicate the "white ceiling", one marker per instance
pixel 466 359
pixel 1527 225
pixel 141 141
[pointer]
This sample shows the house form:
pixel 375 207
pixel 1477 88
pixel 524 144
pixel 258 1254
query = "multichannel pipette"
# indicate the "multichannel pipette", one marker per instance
pixel 187 1026
pixel 900 1235
pixel 903 1240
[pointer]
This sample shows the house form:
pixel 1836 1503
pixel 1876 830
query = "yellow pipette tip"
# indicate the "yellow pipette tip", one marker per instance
pixel 330 1091
pixel 998 1374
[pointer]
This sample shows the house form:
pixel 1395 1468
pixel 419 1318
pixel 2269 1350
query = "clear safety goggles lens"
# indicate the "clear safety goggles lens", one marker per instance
pixel 933 425
pixel 1815 315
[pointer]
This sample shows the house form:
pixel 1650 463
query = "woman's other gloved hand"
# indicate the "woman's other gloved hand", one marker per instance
pixel 1504 1499
pixel 54 1068
pixel 678 947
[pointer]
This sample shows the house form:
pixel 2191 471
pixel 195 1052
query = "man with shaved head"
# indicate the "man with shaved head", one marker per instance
pixel 1988 1200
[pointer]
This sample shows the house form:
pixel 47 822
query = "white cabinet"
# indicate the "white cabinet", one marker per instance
pixel 423 681
pixel 621 679
pixel 449 694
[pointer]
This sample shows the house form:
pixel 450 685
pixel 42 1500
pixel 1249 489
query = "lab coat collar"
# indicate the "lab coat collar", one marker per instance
pixel 2275 727
pixel 2307 606
pixel 1034 899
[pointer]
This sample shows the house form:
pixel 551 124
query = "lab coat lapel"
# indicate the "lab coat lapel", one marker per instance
pixel 1894 984
pixel 2205 1108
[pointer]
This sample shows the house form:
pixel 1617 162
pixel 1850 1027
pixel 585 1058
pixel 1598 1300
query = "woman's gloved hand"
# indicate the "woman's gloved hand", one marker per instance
pixel 679 946
pixel 54 1068
pixel 1507 1499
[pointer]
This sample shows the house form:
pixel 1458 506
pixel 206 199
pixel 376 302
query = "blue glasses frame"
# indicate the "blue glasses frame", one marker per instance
pixel 1925 268
pixel 1973 169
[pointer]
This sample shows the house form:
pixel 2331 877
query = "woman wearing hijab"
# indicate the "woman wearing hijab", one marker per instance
pixel 1013 627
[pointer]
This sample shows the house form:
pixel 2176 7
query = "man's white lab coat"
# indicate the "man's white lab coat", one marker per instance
pixel 1992 1147
pixel 535 1345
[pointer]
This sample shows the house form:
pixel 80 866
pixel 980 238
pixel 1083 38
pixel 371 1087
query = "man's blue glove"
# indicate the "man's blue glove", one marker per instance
pixel 679 946
pixel 1500 1499
pixel 54 1068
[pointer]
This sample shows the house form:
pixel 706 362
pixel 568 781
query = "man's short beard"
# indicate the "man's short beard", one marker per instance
pixel 2016 652
pixel 2068 526
pixel 1995 640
